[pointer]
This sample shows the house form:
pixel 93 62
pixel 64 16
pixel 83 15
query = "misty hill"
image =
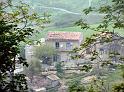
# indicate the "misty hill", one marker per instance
pixel 66 12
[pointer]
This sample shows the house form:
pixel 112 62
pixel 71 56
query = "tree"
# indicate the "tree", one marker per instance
pixel 15 27
pixel 91 89
pixel 45 53
pixel 34 69
pixel 59 69
pixel 76 86
pixel 113 20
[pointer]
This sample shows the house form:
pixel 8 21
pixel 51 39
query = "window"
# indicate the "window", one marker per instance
pixel 68 45
pixel 57 45
pixel 56 58
pixel 101 51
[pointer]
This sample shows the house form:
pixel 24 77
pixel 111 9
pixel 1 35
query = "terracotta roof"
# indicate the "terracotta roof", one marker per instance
pixel 63 36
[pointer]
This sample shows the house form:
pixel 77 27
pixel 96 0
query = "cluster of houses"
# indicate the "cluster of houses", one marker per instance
pixel 116 46
pixel 64 42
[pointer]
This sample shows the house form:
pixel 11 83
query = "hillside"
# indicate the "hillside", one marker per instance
pixel 86 33
pixel 66 12
pixel 72 5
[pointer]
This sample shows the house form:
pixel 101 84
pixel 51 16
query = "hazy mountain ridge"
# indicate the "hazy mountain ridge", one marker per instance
pixel 65 12
pixel 69 4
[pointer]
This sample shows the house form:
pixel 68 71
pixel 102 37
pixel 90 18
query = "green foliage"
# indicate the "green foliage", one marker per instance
pixel 91 89
pixel 10 36
pixel 45 53
pixel 122 70
pixel 86 68
pixel 59 69
pixel 34 68
pixel 88 10
pixel 82 24
pixel 119 87
pixel 75 86
pixel 112 17
pixel 15 27
pixel 44 50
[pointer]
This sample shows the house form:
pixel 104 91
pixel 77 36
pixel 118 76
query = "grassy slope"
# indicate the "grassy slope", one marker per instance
pixel 86 33
pixel 66 4
pixel 60 17
pixel 69 4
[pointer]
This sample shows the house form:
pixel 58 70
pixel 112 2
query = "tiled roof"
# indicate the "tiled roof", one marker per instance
pixel 63 36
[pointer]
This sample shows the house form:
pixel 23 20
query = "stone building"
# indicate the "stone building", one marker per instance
pixel 63 42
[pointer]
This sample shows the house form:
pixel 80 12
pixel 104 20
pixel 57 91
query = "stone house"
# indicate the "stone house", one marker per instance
pixel 53 81
pixel 63 42
pixel 104 49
